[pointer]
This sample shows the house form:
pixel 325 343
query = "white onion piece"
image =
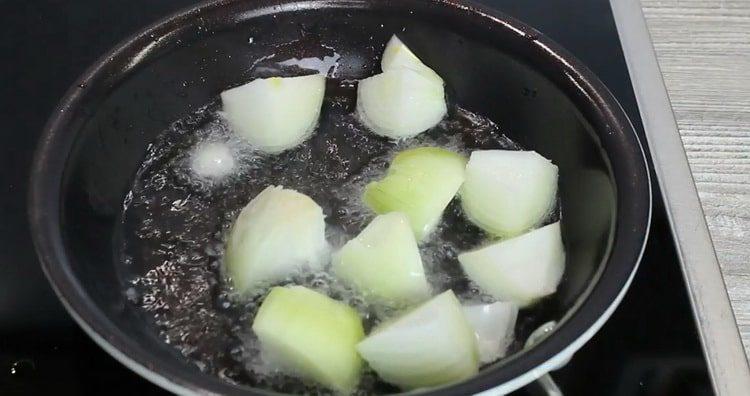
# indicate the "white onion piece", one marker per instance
pixel 383 262
pixel 421 182
pixel 400 103
pixel 493 326
pixel 522 269
pixel 275 114
pixel 310 335
pixel 429 346
pixel 406 99
pixel 397 55
pixel 508 192
pixel 212 160
pixel 278 233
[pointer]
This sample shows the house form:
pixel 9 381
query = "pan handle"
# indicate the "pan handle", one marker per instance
pixel 549 386
pixel 546 382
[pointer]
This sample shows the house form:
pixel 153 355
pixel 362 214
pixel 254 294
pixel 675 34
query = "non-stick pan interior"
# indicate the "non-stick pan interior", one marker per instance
pixel 185 64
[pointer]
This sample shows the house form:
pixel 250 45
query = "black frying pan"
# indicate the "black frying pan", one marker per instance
pixel 543 98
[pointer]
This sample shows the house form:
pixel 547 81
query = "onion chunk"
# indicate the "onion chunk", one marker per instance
pixel 400 104
pixel 311 336
pixel 406 99
pixel 429 346
pixel 279 232
pixel 275 114
pixel 507 192
pixel 397 55
pixel 420 182
pixel 522 269
pixel 383 262
pixel 493 326
pixel 212 160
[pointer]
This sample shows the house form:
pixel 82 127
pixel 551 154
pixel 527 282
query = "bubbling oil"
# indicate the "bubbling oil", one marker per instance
pixel 175 224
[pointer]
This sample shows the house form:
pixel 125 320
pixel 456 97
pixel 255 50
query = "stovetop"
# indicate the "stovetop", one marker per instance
pixel 650 346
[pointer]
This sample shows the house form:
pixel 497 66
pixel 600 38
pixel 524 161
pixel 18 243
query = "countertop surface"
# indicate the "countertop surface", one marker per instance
pixel 703 48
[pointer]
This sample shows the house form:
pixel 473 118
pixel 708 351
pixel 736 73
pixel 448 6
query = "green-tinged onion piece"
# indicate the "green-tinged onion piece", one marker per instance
pixel 493 326
pixel 383 262
pixel 429 346
pixel 508 192
pixel 420 182
pixel 279 232
pixel 522 269
pixel 403 101
pixel 311 336
pixel 275 114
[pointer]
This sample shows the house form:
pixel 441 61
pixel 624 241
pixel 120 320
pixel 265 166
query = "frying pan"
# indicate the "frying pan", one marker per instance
pixel 541 96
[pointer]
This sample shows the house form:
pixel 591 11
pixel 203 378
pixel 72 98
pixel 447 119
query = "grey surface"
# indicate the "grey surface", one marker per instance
pixel 703 49
pixel 719 333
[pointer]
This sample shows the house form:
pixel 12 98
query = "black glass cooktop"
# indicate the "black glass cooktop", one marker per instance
pixel 650 345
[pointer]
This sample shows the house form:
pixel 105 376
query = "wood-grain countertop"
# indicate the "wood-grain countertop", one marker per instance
pixel 703 49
